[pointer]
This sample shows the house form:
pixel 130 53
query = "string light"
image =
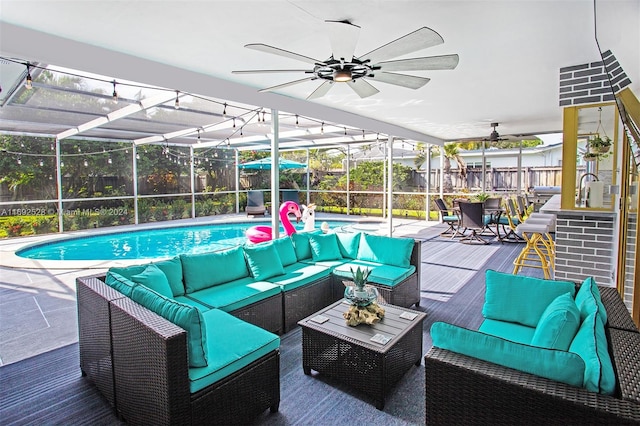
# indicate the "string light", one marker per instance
pixel 297 125
pixel 86 163
pixel 41 163
pixel 115 93
pixel 234 122
pixel 28 84
pixel 224 111
pixel 322 128
pixel 19 161
pixel 199 141
pixel 176 105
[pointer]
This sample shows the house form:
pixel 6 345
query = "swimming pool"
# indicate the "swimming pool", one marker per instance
pixel 151 243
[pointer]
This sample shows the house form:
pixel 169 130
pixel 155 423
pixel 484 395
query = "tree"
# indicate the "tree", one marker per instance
pixel 451 152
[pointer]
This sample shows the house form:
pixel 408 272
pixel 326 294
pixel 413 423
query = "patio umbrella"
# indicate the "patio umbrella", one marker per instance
pixel 265 164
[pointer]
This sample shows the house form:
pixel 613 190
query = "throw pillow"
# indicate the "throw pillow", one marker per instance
pixel 565 367
pixel 301 244
pixel 324 247
pixel 263 261
pixel 387 250
pixel 348 243
pixel 172 268
pixel 153 278
pixel 590 344
pixel 187 317
pixel 285 250
pixel 119 283
pixel 208 269
pixel 558 324
pixel 589 301
pixel 521 299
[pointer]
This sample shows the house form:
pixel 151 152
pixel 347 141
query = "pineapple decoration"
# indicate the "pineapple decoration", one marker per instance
pixel 363 308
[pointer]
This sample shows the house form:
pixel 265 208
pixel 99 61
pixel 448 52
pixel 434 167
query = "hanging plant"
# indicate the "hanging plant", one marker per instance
pixel 590 156
pixel 600 145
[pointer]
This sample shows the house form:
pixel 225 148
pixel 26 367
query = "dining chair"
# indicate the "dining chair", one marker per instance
pixel 472 219
pixel 449 217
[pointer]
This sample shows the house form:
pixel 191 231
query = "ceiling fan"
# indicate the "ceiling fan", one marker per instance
pixel 494 136
pixel 344 67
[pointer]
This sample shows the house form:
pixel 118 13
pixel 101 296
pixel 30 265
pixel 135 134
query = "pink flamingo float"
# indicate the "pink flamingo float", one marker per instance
pixel 260 233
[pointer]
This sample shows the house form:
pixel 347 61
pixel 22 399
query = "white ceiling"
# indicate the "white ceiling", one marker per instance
pixel 510 54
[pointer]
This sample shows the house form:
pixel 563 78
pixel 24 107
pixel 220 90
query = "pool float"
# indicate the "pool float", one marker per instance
pixel 261 233
pixel 309 217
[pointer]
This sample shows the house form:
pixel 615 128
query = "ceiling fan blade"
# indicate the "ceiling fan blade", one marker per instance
pixel 417 40
pixel 444 62
pixel 404 80
pixel 362 88
pixel 344 37
pixel 282 86
pixel 281 52
pixel 321 90
pixel 267 71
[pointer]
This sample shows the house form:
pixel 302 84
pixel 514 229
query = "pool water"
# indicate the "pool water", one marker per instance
pixel 151 243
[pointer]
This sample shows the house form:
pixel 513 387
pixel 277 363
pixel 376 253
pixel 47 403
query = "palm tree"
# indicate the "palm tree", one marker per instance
pixel 451 152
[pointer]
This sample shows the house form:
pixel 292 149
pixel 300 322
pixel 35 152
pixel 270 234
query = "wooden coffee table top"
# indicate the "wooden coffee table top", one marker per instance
pixel 392 326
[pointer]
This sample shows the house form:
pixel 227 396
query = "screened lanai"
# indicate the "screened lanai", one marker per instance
pixel 95 144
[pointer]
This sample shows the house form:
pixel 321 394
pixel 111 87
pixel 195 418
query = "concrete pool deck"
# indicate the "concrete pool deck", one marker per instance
pixel 37 297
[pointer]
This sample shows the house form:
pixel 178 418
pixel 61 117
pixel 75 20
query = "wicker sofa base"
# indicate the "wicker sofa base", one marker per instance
pixel 465 390
pixel 301 302
pixel 94 333
pixel 152 379
pixel 266 314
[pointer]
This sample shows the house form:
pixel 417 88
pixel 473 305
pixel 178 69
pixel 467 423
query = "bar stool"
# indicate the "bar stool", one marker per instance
pixel 537 253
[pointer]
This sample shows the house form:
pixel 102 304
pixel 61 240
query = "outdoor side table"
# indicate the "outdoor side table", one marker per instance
pixel 332 348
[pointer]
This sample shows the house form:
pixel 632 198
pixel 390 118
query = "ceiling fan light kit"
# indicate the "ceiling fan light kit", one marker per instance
pixel 344 67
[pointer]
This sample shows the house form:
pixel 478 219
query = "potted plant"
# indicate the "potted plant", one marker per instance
pixel 358 294
pixel 590 156
pixel 600 145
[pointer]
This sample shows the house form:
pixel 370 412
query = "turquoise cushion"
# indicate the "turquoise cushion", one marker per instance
pixel 184 316
pixel 565 367
pixel 589 301
pixel 264 261
pixel 386 275
pixel 172 268
pixel 128 271
pixel 390 276
pixel 301 244
pixel 119 283
pixel 348 243
pixel 236 294
pixel 387 250
pixel 153 278
pixel 324 247
pixel 232 344
pixel 299 274
pixel 521 299
pixel 508 330
pixel 590 344
pixel 558 324
pixel 209 269
pixel 285 250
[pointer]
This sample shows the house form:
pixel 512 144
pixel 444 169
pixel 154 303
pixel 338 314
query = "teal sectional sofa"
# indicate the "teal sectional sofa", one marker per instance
pixel 172 341
pixel 547 352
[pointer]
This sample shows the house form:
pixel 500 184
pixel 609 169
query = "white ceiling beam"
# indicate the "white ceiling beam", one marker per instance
pixel 116 115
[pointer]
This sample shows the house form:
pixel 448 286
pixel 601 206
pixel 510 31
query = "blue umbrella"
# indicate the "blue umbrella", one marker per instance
pixel 265 164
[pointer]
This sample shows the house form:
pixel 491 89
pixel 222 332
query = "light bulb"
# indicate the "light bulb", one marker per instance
pixel 28 83
pixel 115 94
pixel 176 105
pixel 86 164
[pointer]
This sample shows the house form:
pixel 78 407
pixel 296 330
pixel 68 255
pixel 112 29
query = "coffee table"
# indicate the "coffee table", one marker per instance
pixel 332 348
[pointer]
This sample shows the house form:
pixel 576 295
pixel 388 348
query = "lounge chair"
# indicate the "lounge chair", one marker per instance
pixel 255 203
pixel 289 195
